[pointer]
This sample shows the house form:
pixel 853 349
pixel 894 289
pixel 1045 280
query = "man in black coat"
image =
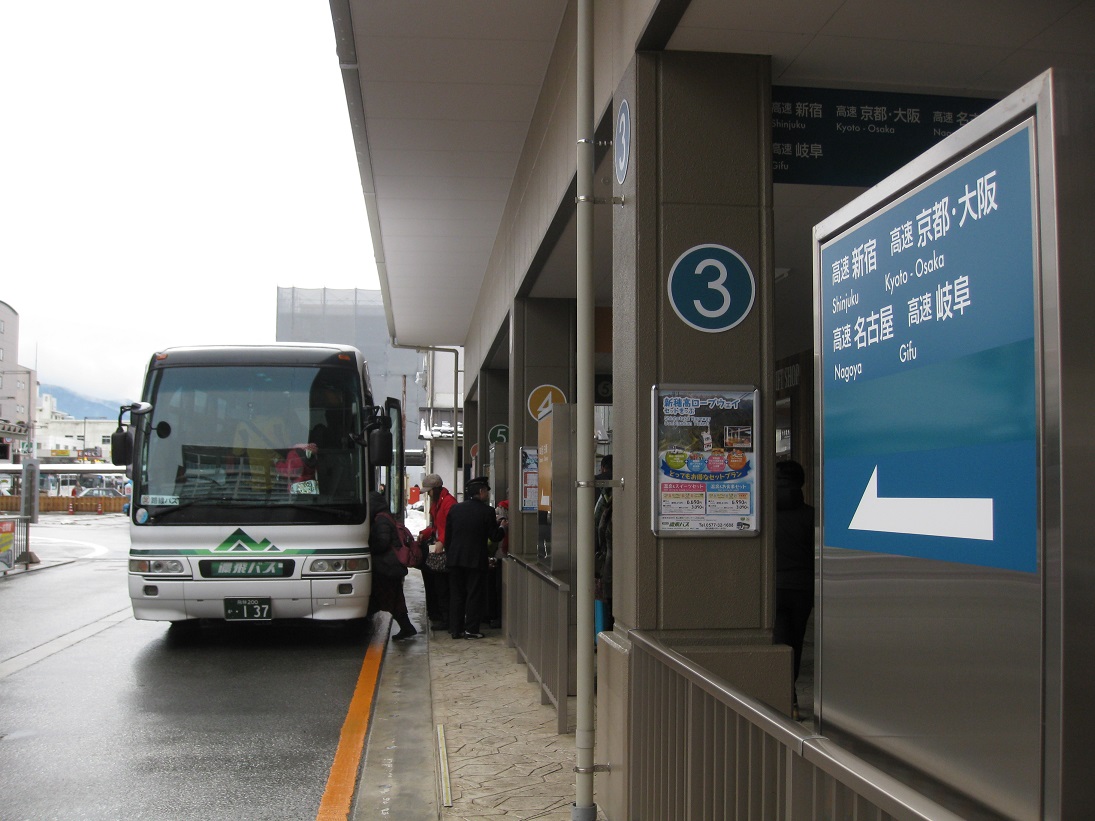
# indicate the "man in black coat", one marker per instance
pixel 470 529
pixel 794 563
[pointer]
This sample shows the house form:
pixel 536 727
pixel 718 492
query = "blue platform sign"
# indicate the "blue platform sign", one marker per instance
pixel 621 146
pixel 711 288
pixel 928 368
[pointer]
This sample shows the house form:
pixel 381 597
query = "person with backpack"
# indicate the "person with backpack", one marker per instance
pixel 388 570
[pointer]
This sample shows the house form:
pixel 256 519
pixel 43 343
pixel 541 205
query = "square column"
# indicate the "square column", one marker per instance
pixel 698 145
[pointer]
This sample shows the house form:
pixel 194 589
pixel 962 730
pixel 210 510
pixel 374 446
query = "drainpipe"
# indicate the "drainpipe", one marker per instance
pixel 584 809
pixel 455 398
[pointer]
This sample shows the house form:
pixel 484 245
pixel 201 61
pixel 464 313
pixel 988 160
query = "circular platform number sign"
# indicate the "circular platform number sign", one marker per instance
pixel 711 288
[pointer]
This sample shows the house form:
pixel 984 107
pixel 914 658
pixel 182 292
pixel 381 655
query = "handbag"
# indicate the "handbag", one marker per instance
pixel 436 562
pixel 388 564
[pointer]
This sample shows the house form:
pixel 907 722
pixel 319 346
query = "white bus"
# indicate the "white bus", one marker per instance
pixel 251 470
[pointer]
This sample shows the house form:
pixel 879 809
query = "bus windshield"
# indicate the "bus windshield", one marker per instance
pixel 251 443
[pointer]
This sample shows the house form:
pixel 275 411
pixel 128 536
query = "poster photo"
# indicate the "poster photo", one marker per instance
pixel 705 472
pixel 530 485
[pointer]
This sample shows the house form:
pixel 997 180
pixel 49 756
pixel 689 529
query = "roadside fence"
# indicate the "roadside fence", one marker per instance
pixel 14 542
pixel 535 605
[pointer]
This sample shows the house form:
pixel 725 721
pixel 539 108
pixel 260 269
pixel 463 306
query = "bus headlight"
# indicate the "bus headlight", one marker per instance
pixel 337 565
pixel 166 567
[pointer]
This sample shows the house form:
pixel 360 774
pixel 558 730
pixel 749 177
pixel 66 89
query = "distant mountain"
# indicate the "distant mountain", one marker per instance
pixel 80 406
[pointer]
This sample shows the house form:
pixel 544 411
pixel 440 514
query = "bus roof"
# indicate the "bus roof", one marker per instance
pixel 288 353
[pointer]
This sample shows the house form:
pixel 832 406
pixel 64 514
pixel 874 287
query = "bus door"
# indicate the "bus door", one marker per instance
pixel 396 484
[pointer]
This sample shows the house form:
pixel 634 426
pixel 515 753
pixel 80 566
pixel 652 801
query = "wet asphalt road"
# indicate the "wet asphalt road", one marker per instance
pixel 105 717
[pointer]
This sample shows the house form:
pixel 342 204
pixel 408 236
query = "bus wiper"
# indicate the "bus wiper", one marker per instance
pixel 242 504
pixel 169 511
pixel 335 511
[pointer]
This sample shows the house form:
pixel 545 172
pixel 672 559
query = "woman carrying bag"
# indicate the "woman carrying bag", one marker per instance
pixel 388 571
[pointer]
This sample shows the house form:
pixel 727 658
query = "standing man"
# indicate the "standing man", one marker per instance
pixel 434 538
pixel 794 565
pixel 470 529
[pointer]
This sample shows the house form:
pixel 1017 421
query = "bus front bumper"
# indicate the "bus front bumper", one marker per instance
pixel 331 599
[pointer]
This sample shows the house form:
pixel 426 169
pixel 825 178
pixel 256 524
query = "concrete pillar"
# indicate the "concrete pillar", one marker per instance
pixel 543 342
pixel 493 411
pixel 698 172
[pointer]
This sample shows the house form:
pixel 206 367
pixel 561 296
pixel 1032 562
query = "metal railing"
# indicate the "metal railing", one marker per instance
pixel 701 750
pixel 14 542
pixel 535 620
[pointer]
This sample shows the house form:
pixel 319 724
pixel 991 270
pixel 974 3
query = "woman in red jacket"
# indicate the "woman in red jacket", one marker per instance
pixel 433 536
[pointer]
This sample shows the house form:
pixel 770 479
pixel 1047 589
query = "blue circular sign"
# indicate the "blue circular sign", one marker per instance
pixel 711 288
pixel 622 144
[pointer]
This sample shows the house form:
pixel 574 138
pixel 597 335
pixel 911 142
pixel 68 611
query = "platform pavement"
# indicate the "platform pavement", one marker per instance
pixel 504 758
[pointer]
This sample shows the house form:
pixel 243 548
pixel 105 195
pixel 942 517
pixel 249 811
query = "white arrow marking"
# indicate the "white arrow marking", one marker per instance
pixel 949 518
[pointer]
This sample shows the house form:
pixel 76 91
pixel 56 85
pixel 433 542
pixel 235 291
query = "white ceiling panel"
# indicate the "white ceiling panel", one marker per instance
pixel 929 66
pixel 784 16
pixel 1071 34
pixel 437 135
pixel 462 214
pixel 450 101
pixel 474 62
pixel 1007 24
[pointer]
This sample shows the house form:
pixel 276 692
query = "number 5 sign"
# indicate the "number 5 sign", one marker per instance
pixel 711 288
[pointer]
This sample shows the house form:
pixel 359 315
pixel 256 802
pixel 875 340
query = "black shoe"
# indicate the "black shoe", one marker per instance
pixel 406 633
pixel 474 636
pixel 457 635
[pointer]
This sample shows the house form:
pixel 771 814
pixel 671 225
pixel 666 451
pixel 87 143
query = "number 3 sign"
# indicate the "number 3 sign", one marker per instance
pixel 711 288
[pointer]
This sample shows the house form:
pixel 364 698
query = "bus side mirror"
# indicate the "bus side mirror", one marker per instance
pixel 121 447
pixel 121 441
pixel 380 446
pixel 379 435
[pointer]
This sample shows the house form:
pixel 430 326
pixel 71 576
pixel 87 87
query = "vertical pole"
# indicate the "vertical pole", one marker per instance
pixel 584 808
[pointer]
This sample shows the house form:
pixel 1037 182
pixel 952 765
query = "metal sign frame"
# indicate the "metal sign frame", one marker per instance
pixel 950 619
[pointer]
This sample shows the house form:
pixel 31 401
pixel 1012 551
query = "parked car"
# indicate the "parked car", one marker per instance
pixel 101 492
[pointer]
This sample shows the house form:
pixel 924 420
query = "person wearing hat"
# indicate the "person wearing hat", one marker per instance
pixel 471 526
pixel 432 538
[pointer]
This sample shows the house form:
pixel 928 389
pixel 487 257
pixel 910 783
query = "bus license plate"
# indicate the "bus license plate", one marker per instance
pixel 257 609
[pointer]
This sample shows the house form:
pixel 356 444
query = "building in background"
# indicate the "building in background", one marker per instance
pixel 63 437
pixel 18 393
pixel 355 316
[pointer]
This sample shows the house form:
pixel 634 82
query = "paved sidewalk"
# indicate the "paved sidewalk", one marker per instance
pixel 504 758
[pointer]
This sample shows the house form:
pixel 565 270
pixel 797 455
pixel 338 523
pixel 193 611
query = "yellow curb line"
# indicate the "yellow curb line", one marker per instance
pixel 339 792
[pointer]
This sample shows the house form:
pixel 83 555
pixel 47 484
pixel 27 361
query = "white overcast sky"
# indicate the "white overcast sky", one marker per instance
pixel 164 167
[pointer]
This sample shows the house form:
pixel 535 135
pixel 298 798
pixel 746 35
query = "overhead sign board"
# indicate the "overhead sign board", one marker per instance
pixel 928 368
pixel 824 136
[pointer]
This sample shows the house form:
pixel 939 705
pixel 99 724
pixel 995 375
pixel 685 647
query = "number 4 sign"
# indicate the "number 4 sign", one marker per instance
pixel 711 288
pixel 542 398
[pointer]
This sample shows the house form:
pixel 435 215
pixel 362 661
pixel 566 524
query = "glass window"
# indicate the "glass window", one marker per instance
pixel 252 443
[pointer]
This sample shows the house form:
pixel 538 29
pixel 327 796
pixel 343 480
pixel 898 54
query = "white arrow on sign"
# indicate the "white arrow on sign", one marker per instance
pixel 949 518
